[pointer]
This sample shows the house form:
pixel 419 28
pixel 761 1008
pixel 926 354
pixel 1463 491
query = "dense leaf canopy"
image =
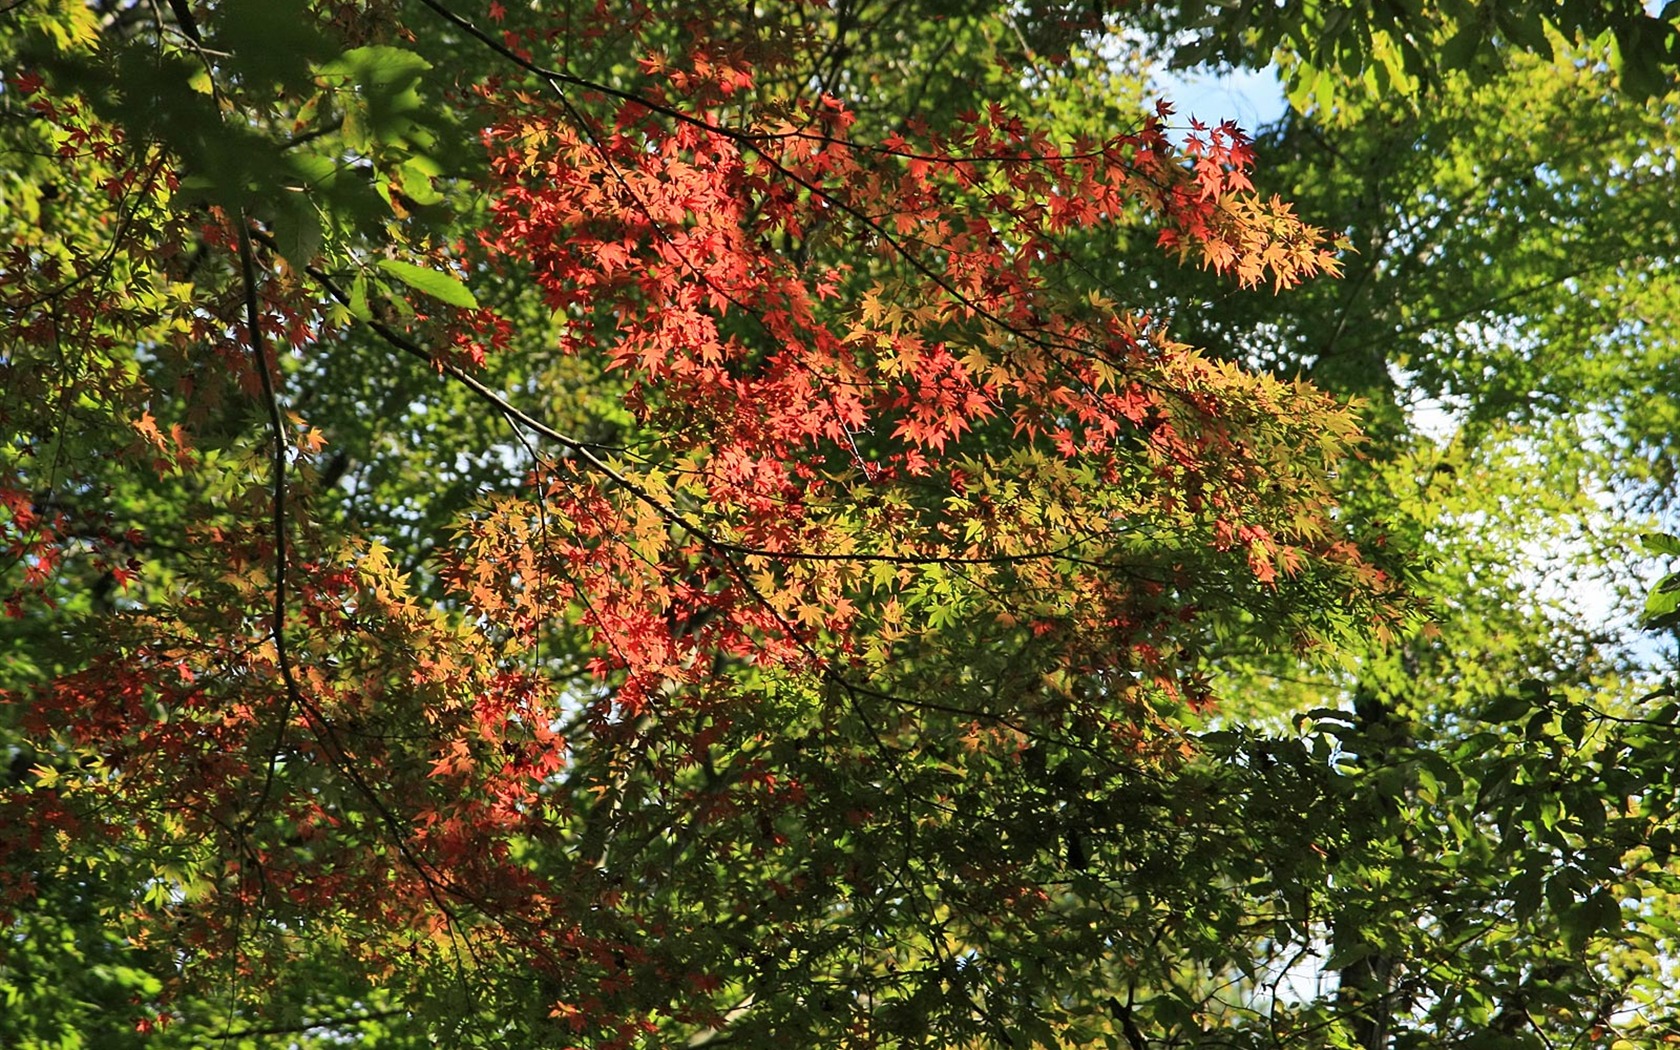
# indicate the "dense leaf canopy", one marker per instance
pixel 638 524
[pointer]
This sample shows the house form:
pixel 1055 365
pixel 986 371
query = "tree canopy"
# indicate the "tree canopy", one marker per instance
pixel 632 524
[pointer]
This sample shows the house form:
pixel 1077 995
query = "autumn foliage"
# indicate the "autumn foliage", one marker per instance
pixel 735 716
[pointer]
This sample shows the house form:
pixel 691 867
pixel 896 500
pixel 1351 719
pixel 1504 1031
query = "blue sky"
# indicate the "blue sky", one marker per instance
pixel 1249 97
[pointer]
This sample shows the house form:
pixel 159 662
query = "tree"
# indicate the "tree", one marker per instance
pixel 1337 51
pixel 632 536
pixel 1513 267
pixel 709 717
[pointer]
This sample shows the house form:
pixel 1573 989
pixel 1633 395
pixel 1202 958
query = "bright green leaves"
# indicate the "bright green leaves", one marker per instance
pixel 441 286
pixel 1338 53
pixel 413 180
pixel 372 105
pixel 406 144
pixel 68 24
pixel 355 146
pixel 1662 604
pixel 384 114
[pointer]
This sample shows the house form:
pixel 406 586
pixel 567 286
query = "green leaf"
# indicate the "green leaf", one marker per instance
pixel 377 64
pixel 1038 1031
pixel 416 173
pixel 1342 958
pixel 1574 726
pixel 269 41
pixel 1526 892
pixel 1460 50
pixel 440 286
pixel 1506 708
pixel 390 110
pixel 1660 543
pixel 1641 47
pixel 297 229
pixel 359 299
pixel 1663 602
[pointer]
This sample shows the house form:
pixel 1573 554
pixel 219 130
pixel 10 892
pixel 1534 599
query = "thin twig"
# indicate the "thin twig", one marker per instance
pixel 277 512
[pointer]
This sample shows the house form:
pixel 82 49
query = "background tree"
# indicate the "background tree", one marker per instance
pixel 1512 276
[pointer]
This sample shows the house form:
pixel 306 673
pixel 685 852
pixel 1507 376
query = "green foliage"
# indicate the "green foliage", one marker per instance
pixel 1335 52
pixel 1662 606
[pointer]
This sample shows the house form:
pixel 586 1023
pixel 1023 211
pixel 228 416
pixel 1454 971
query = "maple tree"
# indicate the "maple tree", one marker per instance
pixel 882 524
pixel 673 529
